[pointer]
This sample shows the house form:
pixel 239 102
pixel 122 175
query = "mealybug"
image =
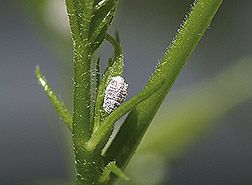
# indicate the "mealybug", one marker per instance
pixel 115 94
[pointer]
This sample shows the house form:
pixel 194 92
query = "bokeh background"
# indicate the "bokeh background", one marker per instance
pixel 214 86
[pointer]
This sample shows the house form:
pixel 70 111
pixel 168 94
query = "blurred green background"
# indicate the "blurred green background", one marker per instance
pixel 202 133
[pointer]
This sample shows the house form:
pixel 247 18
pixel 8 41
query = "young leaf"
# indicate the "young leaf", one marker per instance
pixel 99 19
pixel 109 121
pixel 115 68
pixel 59 106
pixel 106 20
pixel 111 167
pixel 170 66
pixel 118 56
pixel 103 15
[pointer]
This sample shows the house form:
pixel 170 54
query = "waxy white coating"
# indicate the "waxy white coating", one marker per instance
pixel 115 94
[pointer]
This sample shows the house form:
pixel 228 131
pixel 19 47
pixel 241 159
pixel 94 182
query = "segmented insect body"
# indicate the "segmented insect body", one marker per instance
pixel 115 94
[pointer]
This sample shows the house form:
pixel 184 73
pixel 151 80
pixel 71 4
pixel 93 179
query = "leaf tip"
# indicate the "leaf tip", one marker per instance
pixel 37 71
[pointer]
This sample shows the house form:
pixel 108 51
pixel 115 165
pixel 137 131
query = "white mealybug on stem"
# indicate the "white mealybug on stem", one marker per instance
pixel 115 94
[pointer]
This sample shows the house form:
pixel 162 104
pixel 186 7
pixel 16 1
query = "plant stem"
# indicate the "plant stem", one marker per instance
pixel 87 164
pixel 170 66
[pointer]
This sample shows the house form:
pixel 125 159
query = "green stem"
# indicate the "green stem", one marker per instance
pixel 170 66
pixel 81 93
pixel 87 164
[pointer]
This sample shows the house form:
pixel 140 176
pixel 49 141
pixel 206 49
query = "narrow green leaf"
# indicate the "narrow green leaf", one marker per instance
pixel 99 99
pixel 97 24
pixel 106 21
pixel 109 121
pixel 196 108
pixel 192 113
pixel 100 3
pixel 59 106
pixel 115 68
pixel 111 167
pixel 110 63
pixel 169 68
pixel 118 56
pixel 103 16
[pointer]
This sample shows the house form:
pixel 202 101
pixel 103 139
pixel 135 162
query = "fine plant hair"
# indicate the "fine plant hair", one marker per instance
pixel 91 126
